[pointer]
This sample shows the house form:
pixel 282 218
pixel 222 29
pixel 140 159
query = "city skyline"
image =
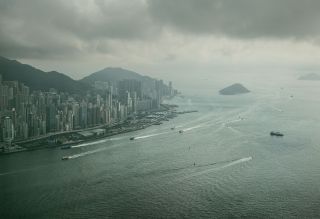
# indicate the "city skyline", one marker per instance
pixel 28 113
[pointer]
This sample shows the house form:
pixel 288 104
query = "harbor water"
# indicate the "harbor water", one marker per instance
pixel 224 164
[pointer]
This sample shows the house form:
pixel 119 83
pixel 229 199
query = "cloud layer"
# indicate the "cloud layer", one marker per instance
pixel 240 19
pixel 146 32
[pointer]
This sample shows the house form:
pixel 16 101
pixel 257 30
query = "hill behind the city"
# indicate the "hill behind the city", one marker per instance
pixel 36 79
pixel 115 74
pixel 12 70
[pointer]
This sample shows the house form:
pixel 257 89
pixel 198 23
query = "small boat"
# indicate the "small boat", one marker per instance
pixel 172 128
pixel 180 131
pixel 66 147
pixel 132 138
pixel 65 158
pixel 279 134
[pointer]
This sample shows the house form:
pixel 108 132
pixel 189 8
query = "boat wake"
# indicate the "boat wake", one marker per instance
pixel 234 130
pixel 214 123
pixel 191 128
pixel 87 153
pixel 105 148
pixel 93 151
pixel 89 143
pixel 229 164
pixel 276 109
pixel 98 142
pixel 118 138
pixel 201 125
pixel 234 121
pixel 151 135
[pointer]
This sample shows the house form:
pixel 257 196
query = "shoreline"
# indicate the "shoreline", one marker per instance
pixel 141 122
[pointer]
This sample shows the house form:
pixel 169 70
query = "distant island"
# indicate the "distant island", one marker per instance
pixel 310 77
pixel 234 90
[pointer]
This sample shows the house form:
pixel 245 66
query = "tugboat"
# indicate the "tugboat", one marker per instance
pixel 279 134
pixel 132 138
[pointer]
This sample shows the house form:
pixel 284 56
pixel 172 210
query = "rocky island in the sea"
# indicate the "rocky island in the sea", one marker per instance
pixel 234 90
pixel 310 77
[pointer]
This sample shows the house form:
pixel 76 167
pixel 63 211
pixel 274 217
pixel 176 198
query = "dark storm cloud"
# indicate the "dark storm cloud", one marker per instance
pixel 240 18
pixel 60 28
pixel 107 19
pixel 45 28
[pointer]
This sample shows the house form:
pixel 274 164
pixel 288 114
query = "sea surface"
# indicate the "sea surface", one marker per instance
pixel 224 165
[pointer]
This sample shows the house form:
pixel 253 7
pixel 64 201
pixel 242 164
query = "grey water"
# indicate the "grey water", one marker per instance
pixel 224 165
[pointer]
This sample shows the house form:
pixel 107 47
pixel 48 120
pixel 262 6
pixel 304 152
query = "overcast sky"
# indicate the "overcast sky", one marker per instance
pixel 162 38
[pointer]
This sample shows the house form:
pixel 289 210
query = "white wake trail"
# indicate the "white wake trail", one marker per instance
pixel 191 128
pixel 234 121
pixel 276 109
pixel 87 153
pixel 201 125
pixel 235 162
pixel 234 130
pixel 98 142
pixel 90 143
pixel 151 135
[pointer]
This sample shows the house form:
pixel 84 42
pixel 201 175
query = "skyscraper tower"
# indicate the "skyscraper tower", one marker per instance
pixel 8 130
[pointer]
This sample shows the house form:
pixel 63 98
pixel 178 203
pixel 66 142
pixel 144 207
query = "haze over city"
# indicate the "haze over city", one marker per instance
pixel 159 109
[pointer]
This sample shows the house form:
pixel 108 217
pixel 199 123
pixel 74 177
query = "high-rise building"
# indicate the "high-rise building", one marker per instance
pixel 7 130
pixel 134 87
pixel 83 114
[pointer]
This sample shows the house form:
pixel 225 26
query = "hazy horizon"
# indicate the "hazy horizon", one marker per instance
pixel 163 39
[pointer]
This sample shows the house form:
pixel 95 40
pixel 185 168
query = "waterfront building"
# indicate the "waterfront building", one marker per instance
pixel 27 113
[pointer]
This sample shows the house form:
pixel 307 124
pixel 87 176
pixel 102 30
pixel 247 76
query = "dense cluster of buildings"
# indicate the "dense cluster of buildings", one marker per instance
pixel 28 114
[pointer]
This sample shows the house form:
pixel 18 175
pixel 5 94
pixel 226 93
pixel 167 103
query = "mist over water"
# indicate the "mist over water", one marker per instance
pixel 207 83
pixel 224 164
